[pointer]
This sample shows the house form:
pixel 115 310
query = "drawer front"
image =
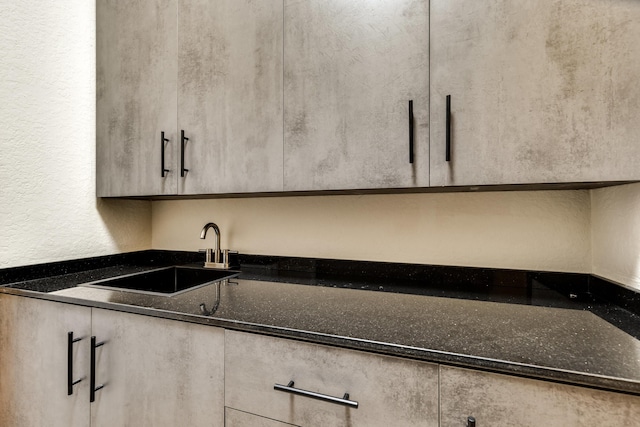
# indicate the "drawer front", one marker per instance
pixel 390 391
pixel 502 400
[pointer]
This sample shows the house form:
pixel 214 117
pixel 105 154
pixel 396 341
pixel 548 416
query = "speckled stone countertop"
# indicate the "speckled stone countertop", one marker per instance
pixel 498 320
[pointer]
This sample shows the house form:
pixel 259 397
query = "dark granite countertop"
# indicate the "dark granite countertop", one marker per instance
pixel 542 325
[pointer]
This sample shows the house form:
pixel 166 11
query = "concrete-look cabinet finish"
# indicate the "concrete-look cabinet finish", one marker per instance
pixel 210 68
pixel 303 95
pixel 272 96
pixel 541 92
pixel 136 72
pixel 390 391
pixel 33 363
pixel 350 70
pixel 156 372
pixel 501 400
pixel 230 95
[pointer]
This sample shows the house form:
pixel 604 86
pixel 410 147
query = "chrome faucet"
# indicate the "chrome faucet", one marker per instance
pixel 213 258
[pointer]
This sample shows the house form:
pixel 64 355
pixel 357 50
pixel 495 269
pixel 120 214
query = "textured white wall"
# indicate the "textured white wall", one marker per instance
pixel 546 230
pixel 615 234
pixel 48 209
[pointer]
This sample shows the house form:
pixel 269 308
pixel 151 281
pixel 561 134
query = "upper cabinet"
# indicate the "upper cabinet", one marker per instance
pixel 350 70
pixel 541 92
pixel 189 97
pixel 241 96
pixel 136 72
pixel 230 95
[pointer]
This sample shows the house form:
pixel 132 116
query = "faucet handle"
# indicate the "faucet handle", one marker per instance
pixel 221 259
pixel 208 254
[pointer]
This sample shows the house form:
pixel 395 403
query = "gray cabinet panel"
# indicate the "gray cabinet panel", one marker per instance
pixel 136 96
pixel 350 69
pixel 33 363
pixel 230 95
pixel 157 372
pixel 500 400
pixel 390 391
pixel 542 91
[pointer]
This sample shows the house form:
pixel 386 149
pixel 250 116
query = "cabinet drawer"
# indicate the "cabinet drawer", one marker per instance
pixel 389 390
pixel 502 400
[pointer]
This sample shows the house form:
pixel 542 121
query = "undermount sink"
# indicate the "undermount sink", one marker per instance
pixel 165 281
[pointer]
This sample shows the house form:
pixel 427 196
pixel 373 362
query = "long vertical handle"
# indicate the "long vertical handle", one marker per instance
pixel 411 131
pixel 92 381
pixel 471 422
pixel 448 148
pixel 183 140
pixel 70 381
pixel 163 140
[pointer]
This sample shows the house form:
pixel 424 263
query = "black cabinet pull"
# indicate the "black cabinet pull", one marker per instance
pixel 92 381
pixel 183 140
pixel 448 148
pixel 70 381
pixel 163 140
pixel 411 131
pixel 340 401
pixel 471 422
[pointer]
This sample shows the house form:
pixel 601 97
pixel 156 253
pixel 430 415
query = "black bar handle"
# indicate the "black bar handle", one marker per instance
pixel 448 148
pixel 163 140
pixel 70 381
pixel 340 401
pixel 411 131
pixel 92 381
pixel 471 422
pixel 183 140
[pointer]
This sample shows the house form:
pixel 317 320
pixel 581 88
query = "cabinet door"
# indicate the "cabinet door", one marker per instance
pixel 351 68
pixel 501 400
pixel 230 95
pixel 136 97
pixel 34 363
pixel 541 92
pixel 389 391
pixel 157 372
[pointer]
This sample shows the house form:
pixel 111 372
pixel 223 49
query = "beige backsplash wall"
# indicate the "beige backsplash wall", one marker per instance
pixel 541 230
pixel 615 234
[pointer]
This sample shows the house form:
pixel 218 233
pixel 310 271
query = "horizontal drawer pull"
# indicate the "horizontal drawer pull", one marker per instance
pixel 340 401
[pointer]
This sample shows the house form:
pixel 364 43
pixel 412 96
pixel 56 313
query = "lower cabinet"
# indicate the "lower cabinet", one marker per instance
pixel 157 372
pixel 153 372
pixel 34 363
pixel 503 400
pixel 389 391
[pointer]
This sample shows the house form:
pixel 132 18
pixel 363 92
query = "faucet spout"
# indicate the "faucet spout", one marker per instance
pixel 203 234
pixel 206 228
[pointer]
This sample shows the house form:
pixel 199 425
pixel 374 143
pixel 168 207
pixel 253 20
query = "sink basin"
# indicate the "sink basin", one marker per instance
pixel 164 281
